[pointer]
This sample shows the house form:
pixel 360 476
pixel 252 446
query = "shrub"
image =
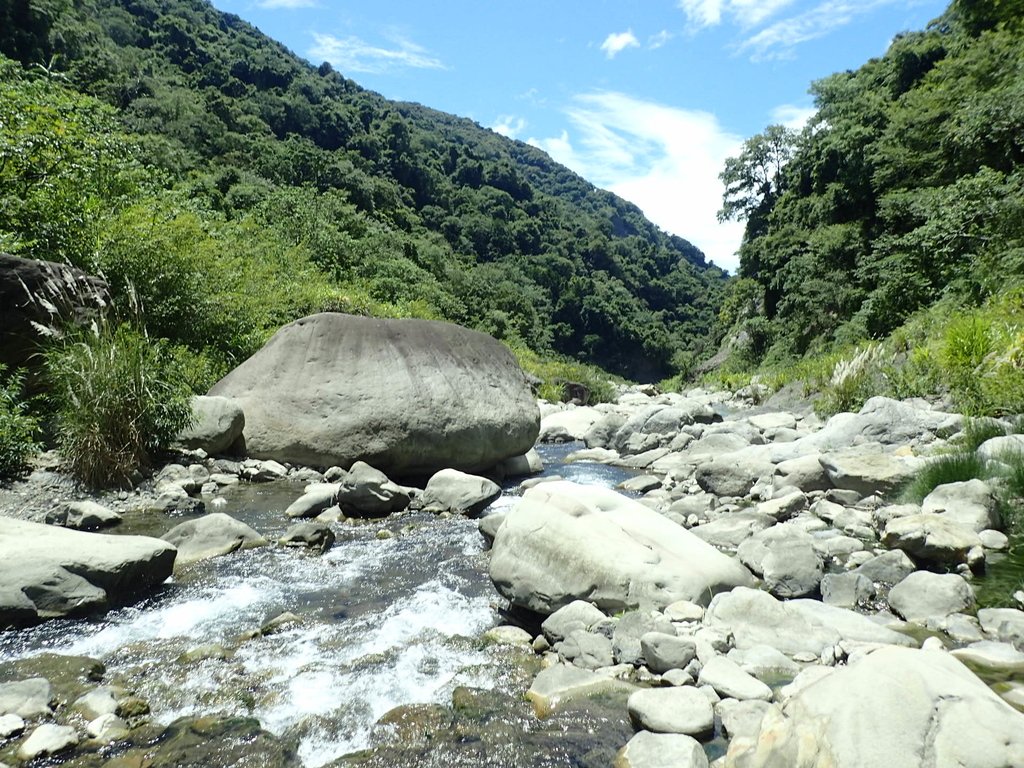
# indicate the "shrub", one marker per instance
pixel 951 468
pixel 118 399
pixel 554 373
pixel 18 428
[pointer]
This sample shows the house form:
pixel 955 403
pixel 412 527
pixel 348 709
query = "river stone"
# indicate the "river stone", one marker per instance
pixel 662 651
pixel 365 491
pixel 785 557
pixel 11 725
pixel 450 490
pixel 846 590
pixel 868 469
pixel 887 568
pixel 726 677
pixel 991 657
pixel 47 739
pixel 312 533
pixel 25 698
pixel 732 474
pixel 588 650
pixel 83 516
pixel 661 750
pixel 1005 624
pixel 508 634
pixel 489 524
pixel 741 719
pixel 651 427
pixel 565 542
pixel 107 728
pixel 672 710
pixel 630 628
pixel 561 683
pixel 51 571
pixel 529 463
pixel 765 663
pixel 924 595
pixel 409 397
pixel 995 540
pixel 218 423
pixel 99 701
pixel 803 472
pixel 316 498
pixel 732 529
pixel 995 448
pixel 896 707
pixel 930 538
pixel 578 614
pixel 211 536
pixel 567 425
pixel 970 503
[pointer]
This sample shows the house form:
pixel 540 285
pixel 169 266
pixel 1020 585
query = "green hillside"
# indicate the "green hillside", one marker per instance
pixel 236 156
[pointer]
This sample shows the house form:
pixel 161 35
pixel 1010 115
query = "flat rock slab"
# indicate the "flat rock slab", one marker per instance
pixel 729 681
pixel 210 536
pixel 868 470
pixel 25 698
pixel 50 572
pixel 561 683
pixel 896 707
pixel 672 710
pixel 565 542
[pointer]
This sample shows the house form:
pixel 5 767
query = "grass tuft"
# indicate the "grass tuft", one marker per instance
pixel 949 468
pixel 18 427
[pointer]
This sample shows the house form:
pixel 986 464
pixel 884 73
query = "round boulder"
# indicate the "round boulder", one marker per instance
pixel 408 396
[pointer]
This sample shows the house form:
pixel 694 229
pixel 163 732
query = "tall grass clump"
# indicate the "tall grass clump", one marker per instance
pixel 118 400
pixel 555 373
pixel 18 427
pixel 949 468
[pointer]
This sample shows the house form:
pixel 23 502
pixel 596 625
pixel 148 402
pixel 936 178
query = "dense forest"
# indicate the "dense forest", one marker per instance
pixel 234 186
pixel 905 188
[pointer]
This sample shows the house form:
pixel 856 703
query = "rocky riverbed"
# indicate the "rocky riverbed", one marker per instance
pixel 754 593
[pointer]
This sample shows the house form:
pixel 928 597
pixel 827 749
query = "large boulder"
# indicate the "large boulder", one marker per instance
pixel 565 542
pixel 409 397
pixel 211 536
pixel 49 572
pixel 896 707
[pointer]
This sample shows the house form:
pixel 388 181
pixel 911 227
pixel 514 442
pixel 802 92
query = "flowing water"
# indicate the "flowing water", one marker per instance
pixel 385 619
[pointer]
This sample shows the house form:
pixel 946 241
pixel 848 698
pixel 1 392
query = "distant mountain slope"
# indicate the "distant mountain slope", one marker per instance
pixel 434 211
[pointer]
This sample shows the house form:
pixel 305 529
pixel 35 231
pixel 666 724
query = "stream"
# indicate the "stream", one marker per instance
pixel 390 616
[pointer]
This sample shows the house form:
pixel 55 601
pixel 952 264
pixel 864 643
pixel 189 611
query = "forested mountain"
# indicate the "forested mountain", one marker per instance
pixel 245 171
pixel 906 188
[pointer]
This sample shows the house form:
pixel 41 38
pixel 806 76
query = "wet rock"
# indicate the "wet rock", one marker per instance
pixel 25 698
pixel 970 503
pixel 51 571
pixel 132 707
pixel 508 635
pixel 562 683
pixel 990 657
pixel 729 681
pixel 47 739
pixel 83 516
pixel 11 725
pixel 365 491
pixel 218 423
pixel 890 708
pixel 107 728
pixel 489 524
pixel 672 710
pixel 99 701
pixel 314 500
pixel 923 595
pixel 203 742
pixel 661 750
pixel 566 542
pixel 409 397
pixel 213 535
pixel 312 534
pixel 280 623
pixel 450 490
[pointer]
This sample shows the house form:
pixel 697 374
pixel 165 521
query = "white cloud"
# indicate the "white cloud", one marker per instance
pixel 287 4
pixel 664 159
pixel 509 126
pixel 778 40
pixel 618 42
pixel 746 13
pixel 792 116
pixel 352 54
pixel 657 41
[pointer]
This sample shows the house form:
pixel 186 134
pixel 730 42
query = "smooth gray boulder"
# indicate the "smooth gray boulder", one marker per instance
pixel 732 474
pixel 26 698
pixel 729 681
pixel 567 425
pixel 868 469
pixel 211 536
pixel 784 556
pixel 562 683
pixel 47 739
pixel 803 472
pixel 662 651
pixel 576 615
pixel 672 710
pixel 970 503
pixel 315 499
pixel 50 572
pixel 889 567
pixel 661 750
pixel 450 490
pixel 995 448
pixel 409 397
pixel 895 707
pixel 631 627
pixel 588 650
pixel 218 423
pixel 925 595
pixel 365 491
pixel 83 516
pixel 846 590
pixel 312 534
pixel 731 529
pixel 565 542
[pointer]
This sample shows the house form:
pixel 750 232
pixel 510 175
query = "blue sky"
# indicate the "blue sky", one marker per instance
pixel 645 98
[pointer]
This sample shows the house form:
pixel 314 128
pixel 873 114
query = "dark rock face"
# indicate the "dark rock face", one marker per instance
pixel 409 397
pixel 27 286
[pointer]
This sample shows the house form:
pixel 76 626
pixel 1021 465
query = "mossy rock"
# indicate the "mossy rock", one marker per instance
pixel 232 742
pixel 69 676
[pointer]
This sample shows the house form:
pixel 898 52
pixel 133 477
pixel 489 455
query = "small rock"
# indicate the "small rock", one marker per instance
pixel 729 680
pixel 84 516
pixel 211 536
pixel 576 615
pixel 47 739
pixel 107 728
pixel 923 595
pixel 672 710
pixel 11 725
pixel 99 701
pixel 450 490
pixel 661 750
pixel 663 652
pixel 25 698
pixel 508 634
pixel 132 707
pixel 314 534
pixel 280 622
pixel 684 610
pixel 560 683
pixel 994 540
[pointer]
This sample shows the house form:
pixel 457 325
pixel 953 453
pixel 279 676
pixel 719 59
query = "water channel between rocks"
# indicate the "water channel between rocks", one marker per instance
pixel 384 622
